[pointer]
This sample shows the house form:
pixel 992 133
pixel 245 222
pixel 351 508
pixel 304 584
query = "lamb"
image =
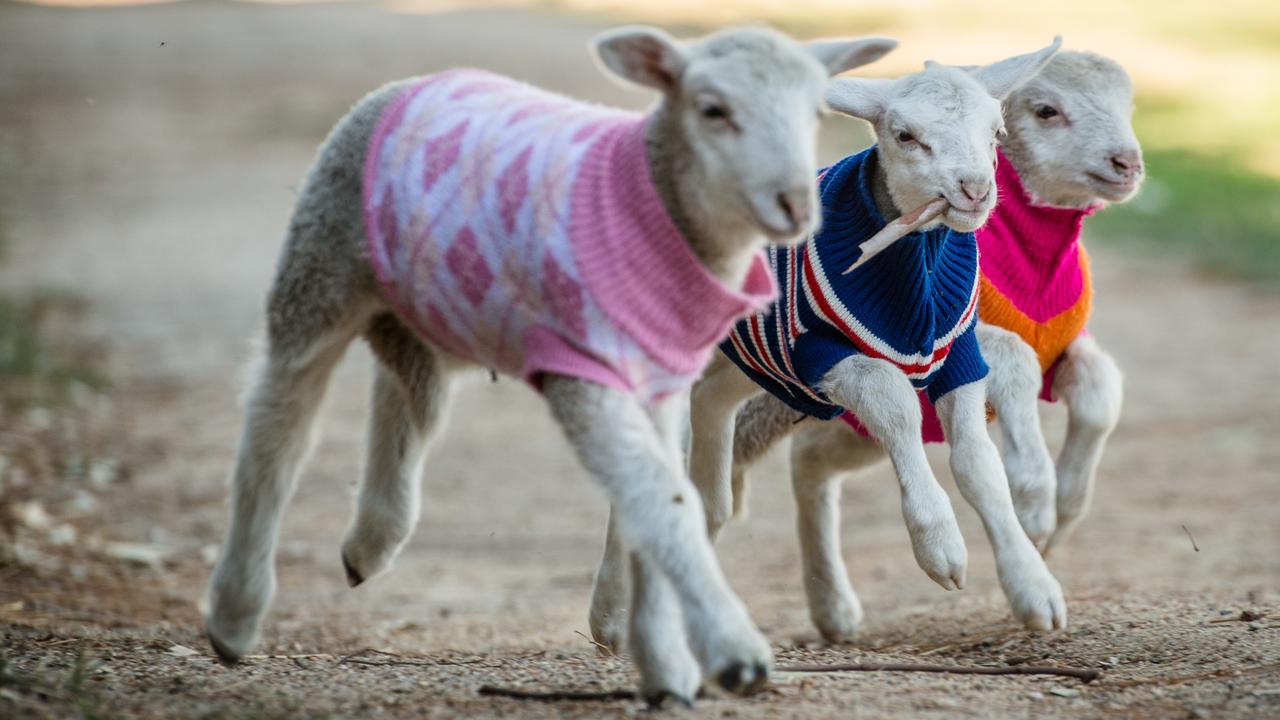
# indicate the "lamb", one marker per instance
pixel 904 320
pixel 1070 150
pixel 466 220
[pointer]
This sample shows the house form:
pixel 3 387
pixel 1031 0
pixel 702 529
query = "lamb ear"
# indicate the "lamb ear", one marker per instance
pixel 1002 78
pixel 841 55
pixel 860 97
pixel 642 55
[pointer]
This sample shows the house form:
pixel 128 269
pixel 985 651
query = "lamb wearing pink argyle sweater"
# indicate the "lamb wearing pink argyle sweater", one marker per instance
pixel 468 220
pixel 1070 150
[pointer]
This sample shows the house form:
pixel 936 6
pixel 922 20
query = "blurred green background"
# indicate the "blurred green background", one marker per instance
pixel 1206 76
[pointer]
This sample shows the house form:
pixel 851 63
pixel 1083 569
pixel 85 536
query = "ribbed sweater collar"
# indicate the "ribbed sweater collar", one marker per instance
pixel 850 216
pixel 1031 251
pixel 638 265
pixel 1043 232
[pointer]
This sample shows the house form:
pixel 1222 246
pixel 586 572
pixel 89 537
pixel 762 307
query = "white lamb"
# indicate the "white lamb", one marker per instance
pixel 464 220
pixel 1070 150
pixel 865 336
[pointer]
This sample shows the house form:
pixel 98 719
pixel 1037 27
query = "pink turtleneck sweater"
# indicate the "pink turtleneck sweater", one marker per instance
pixel 521 230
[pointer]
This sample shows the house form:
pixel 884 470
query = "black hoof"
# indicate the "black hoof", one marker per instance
pixel 661 698
pixel 353 577
pixel 737 680
pixel 225 656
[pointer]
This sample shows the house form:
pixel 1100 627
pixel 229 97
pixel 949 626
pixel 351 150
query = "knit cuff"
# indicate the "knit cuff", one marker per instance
pixel 964 365
pixel 816 353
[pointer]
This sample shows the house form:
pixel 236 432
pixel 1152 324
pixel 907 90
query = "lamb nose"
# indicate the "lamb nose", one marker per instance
pixel 1127 163
pixel 796 211
pixel 976 191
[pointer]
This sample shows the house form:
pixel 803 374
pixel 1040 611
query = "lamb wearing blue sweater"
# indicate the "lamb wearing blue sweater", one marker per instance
pixel 866 339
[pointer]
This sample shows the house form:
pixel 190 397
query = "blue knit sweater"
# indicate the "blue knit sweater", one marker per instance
pixel 914 304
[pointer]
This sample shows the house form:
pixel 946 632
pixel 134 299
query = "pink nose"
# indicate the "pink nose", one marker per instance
pixel 976 190
pixel 1127 163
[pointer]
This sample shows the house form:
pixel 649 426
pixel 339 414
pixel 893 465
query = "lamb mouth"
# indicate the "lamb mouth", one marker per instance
pixel 1122 185
pixel 960 214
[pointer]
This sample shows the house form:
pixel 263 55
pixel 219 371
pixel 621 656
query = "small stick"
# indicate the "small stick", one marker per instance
pixel 1194 546
pixel 1225 672
pixel 897 229
pixel 601 647
pixel 1084 674
pixel 557 695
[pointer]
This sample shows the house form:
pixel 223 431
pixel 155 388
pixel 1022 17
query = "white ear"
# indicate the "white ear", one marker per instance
pixel 860 97
pixel 643 55
pixel 1002 78
pixel 841 55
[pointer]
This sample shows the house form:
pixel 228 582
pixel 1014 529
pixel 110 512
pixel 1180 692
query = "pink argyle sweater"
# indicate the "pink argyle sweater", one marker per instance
pixel 520 230
pixel 1034 280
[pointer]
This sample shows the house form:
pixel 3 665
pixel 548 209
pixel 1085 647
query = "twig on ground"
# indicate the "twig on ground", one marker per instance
pixel 1226 672
pixel 604 649
pixel 557 695
pixel 1085 674
pixel 308 656
pixel 433 663
pixel 397 659
pixel 1194 546
pixel 936 650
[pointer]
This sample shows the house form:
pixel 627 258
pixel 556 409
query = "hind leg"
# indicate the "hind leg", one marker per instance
pixel 410 396
pixel 1092 388
pixel 1013 389
pixel 281 409
pixel 760 424
pixel 819 457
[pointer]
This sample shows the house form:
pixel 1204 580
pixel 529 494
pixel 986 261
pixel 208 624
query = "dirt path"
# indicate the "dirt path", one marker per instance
pixel 156 151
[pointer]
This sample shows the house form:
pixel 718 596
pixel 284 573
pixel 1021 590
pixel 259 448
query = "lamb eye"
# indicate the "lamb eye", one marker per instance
pixel 1044 112
pixel 905 137
pixel 715 112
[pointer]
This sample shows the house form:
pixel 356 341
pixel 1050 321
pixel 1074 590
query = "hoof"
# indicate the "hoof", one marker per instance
pixel 657 700
pixel 353 577
pixel 740 679
pixel 225 656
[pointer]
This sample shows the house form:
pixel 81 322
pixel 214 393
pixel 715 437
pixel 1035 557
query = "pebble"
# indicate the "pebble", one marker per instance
pixel 1064 692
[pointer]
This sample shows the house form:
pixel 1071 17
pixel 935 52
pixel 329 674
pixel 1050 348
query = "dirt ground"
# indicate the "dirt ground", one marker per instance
pixel 153 155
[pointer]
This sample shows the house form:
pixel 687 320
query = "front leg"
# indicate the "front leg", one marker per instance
pixel 1013 389
pixel 1033 593
pixel 886 403
pixel 1091 386
pixel 610 595
pixel 612 589
pixel 660 517
pixel 657 638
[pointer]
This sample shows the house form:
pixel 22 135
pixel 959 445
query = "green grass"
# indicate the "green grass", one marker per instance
pixel 34 368
pixel 49 694
pixel 1210 208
